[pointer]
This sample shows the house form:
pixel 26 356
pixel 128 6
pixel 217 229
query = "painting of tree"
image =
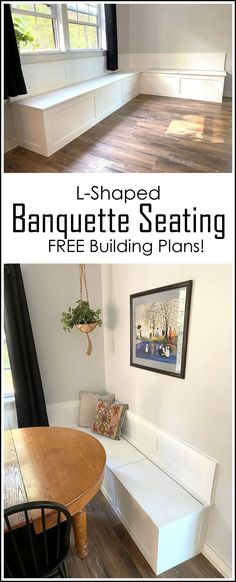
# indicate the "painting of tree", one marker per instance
pixel 168 313
pixel 163 314
pixel 151 313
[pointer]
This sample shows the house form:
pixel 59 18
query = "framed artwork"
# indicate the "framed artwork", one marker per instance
pixel 159 320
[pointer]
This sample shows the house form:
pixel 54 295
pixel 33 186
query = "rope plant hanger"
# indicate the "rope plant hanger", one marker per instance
pixel 85 327
pixel 82 316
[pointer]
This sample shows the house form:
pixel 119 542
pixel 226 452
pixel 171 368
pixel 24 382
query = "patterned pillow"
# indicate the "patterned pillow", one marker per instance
pixel 109 418
pixel 87 405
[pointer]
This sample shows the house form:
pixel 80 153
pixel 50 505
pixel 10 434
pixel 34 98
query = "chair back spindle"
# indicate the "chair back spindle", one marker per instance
pixel 29 554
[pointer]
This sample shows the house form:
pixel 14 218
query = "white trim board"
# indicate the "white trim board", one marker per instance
pixel 216 560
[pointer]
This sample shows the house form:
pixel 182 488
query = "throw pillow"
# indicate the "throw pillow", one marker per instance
pixel 109 418
pixel 87 406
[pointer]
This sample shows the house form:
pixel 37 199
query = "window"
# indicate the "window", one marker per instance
pixel 61 27
pixel 35 26
pixel 83 23
pixel 8 387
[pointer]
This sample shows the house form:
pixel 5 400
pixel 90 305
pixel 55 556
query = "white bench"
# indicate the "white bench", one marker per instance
pixel 45 123
pixel 186 84
pixel 161 489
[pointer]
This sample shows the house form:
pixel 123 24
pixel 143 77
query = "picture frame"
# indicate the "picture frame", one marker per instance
pixel 159 323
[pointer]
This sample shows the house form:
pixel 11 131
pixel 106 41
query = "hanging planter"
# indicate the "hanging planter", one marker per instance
pixel 82 316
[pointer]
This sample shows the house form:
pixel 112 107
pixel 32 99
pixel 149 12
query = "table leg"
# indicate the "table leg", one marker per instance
pixel 80 532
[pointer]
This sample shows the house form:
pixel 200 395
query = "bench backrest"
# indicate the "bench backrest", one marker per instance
pixel 191 61
pixel 190 468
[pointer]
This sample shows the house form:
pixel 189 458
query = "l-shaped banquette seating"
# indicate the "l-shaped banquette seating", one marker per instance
pixel 161 489
pixel 47 122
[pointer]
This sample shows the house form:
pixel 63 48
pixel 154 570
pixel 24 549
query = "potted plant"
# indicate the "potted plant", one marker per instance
pixel 83 318
pixel 22 36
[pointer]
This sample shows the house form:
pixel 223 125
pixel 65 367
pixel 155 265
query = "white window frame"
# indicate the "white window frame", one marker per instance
pixel 53 17
pixel 61 35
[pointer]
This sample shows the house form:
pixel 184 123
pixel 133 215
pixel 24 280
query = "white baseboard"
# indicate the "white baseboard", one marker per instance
pixel 216 560
pixel 10 144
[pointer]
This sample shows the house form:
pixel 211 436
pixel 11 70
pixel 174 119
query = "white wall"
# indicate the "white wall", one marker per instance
pixel 198 408
pixel 65 368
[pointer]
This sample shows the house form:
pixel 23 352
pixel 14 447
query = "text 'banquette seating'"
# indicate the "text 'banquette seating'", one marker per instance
pixel 161 489
pixel 47 122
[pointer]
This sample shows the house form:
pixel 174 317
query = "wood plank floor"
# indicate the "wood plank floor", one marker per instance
pixel 148 134
pixel 113 554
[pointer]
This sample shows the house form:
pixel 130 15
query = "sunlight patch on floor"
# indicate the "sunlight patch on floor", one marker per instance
pixel 197 128
pixel 187 126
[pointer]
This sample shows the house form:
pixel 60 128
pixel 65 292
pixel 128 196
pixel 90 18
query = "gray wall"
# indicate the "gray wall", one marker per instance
pixel 123 28
pixel 168 28
pixel 64 366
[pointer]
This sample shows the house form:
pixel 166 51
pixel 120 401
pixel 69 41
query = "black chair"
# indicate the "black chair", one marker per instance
pixel 36 555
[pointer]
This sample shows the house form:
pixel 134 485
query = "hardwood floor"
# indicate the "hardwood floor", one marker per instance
pixel 148 134
pixel 113 554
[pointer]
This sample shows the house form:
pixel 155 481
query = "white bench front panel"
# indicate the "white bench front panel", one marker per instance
pixel 198 86
pixel 178 541
pixel 108 99
pixel 205 89
pixel 143 531
pixel 130 88
pixel 30 130
pixel 163 546
pixel 166 85
pixel 68 121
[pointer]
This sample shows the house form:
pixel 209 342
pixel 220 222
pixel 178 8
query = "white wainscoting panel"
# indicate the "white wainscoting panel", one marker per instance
pixel 190 61
pixel 107 99
pixel 47 76
pixel 69 121
pixel 159 84
pixel 190 468
pixel 202 88
pixel 63 413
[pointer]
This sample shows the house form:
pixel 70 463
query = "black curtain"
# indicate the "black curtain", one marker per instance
pixel 30 402
pixel 14 83
pixel 111 35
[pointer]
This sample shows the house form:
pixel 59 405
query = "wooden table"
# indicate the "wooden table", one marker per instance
pixel 56 464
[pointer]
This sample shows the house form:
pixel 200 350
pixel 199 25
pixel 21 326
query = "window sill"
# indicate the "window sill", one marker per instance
pixel 8 399
pixel 47 56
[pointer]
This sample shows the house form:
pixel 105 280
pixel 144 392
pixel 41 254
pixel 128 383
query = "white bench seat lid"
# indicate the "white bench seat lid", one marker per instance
pixel 159 496
pixel 118 452
pixel 59 96
pixel 182 72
